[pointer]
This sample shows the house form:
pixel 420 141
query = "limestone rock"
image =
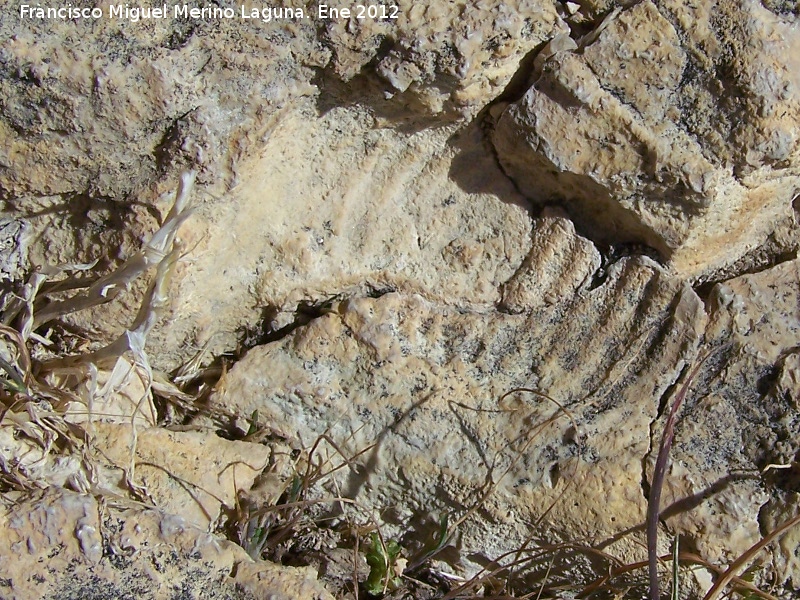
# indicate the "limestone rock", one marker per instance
pixel 187 473
pixel 14 239
pixel 334 207
pixel 669 125
pixel 449 57
pixel 191 474
pixel 775 513
pixel 741 417
pixel 85 99
pixel 347 212
pixel 420 387
pixel 100 116
pixel 60 544
pixel 558 263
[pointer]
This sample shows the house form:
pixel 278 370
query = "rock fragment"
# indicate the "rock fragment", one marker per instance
pixel 669 126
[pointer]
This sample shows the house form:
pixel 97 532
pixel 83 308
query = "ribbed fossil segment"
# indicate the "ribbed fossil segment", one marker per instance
pixel 337 206
pixel 559 263
pixel 425 383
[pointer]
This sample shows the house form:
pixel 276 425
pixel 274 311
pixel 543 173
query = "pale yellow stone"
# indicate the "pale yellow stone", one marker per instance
pixel 63 544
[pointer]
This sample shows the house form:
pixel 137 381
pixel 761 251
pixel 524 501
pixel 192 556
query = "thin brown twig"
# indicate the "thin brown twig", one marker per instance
pixel 659 473
pixel 748 555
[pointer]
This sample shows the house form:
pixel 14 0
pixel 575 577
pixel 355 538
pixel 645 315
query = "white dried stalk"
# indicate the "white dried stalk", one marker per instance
pixel 108 287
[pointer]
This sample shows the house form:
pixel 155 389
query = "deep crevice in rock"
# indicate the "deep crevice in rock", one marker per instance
pixel 169 146
pixel 663 403
pixel 263 332
pixel 612 254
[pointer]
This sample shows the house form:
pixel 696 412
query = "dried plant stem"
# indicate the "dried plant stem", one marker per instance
pixel 155 252
pixel 654 501
pixel 684 558
pixel 747 556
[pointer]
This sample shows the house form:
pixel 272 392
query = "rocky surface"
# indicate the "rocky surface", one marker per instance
pixel 742 418
pixel 191 473
pixel 421 385
pixel 669 124
pixel 61 544
pixel 403 221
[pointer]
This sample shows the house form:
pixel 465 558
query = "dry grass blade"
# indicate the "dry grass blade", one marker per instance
pixel 154 253
pixel 40 417
pixel 748 555
pixel 537 554
pixel 683 558
pixel 654 500
pixel 531 437
pixel 20 372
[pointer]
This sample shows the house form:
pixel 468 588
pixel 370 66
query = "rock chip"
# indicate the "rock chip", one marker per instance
pixel 192 474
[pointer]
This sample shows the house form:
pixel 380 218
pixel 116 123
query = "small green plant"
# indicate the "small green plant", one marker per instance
pixel 15 382
pixel 382 561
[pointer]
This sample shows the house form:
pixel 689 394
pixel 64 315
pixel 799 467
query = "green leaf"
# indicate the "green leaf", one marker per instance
pixel 295 489
pixel 443 537
pixel 381 560
pixel 253 424
pixel 16 383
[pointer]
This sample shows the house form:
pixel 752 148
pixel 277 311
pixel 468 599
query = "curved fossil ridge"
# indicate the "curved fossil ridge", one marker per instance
pixel 424 382
pixel 421 386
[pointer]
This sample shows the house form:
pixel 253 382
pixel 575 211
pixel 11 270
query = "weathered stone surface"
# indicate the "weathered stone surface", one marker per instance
pixel 14 238
pixel 87 98
pixel 559 263
pixel 60 544
pixel 336 206
pixel 451 57
pixel 191 474
pixel 669 125
pixel 740 418
pixel 85 101
pixel 99 117
pixel 339 193
pixel 785 556
pixel 425 382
